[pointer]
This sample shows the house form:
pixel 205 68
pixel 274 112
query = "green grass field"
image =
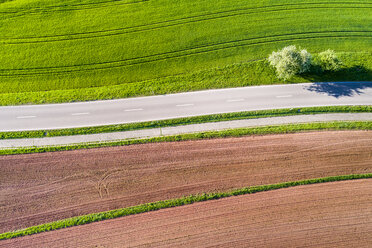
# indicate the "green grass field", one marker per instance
pixel 53 51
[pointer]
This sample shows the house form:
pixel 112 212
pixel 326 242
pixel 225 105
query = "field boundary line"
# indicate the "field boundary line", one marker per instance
pixel 186 200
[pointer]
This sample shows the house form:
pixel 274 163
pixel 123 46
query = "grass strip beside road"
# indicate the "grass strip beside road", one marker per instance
pixel 277 129
pixel 185 121
pixel 90 218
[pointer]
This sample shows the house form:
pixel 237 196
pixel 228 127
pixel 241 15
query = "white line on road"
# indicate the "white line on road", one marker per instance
pixel 26 117
pixel 235 100
pixel 284 96
pixel 185 105
pixel 130 110
pixel 85 113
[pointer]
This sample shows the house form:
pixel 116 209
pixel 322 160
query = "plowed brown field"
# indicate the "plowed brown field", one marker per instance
pixel 39 188
pixel 337 214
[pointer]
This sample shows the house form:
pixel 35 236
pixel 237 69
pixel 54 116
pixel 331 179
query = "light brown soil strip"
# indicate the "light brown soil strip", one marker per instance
pixel 337 214
pixel 40 188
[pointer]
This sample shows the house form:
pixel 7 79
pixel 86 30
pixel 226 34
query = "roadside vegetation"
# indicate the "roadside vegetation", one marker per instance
pixel 291 61
pixel 90 218
pixel 185 121
pixel 48 54
pixel 277 129
pixel 328 61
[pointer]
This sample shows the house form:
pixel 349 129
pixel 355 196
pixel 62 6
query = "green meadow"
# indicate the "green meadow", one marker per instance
pixel 76 50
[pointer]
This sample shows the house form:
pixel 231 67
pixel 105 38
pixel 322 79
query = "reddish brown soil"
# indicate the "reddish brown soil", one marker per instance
pixel 39 188
pixel 335 214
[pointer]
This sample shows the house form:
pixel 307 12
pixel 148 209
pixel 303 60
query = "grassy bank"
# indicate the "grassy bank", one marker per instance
pixel 291 128
pixel 186 121
pixel 356 67
pixel 90 218
pixel 86 50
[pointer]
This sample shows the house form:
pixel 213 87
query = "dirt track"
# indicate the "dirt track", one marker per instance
pixel 335 214
pixel 39 188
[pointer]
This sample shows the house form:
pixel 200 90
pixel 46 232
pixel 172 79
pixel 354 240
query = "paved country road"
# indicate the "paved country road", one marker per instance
pixel 82 114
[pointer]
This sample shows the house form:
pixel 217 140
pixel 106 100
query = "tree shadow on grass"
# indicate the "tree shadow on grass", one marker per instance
pixel 355 73
pixel 345 82
pixel 339 89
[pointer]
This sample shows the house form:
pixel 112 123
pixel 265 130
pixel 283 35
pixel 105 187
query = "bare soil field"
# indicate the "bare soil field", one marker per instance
pixel 337 214
pixel 39 188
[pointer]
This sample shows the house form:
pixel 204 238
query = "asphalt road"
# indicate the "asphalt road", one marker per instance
pixel 53 116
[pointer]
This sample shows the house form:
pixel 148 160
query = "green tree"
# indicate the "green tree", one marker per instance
pixel 290 61
pixel 328 61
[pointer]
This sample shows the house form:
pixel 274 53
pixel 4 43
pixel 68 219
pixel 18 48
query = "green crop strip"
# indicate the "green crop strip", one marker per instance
pixel 186 121
pixel 92 5
pixel 291 128
pixel 90 218
pixel 183 53
pixel 32 9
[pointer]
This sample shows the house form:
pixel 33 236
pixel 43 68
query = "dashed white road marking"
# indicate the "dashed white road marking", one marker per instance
pixel 130 110
pixel 85 113
pixel 235 100
pixel 185 105
pixel 284 96
pixel 26 117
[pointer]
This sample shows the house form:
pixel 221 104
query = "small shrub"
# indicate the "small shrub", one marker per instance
pixel 328 61
pixel 289 61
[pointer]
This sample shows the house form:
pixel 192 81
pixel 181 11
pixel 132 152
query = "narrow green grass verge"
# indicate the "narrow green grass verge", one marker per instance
pixel 185 121
pixel 277 129
pixel 86 219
